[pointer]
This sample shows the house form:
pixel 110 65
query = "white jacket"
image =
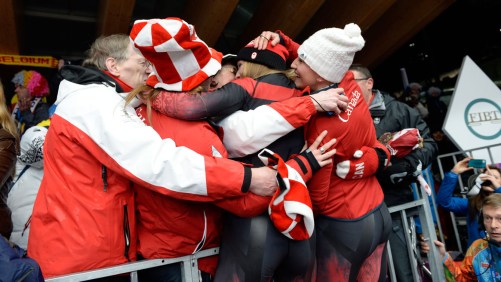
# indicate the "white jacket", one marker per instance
pixel 23 193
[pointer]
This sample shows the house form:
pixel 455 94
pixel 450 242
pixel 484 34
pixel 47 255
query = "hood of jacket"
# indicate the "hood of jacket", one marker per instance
pixel 32 146
pixel 77 78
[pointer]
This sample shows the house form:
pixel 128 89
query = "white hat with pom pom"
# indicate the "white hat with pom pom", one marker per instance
pixel 330 51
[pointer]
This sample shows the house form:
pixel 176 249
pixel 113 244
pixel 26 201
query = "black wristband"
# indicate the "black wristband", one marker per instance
pixel 247 179
pixel 382 159
pixel 301 164
pixel 312 161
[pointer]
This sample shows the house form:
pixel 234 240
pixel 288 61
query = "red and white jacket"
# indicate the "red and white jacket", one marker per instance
pixel 83 217
pixel 168 227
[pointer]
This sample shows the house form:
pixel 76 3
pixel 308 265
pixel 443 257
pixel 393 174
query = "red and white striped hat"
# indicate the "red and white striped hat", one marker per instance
pixel 181 60
pixel 290 208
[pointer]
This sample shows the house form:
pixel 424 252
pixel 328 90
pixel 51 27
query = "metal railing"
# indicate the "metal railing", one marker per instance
pixel 189 271
pixel 462 186
pixel 407 211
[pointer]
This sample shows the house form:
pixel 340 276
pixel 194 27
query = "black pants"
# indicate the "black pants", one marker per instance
pixel 252 250
pixel 401 261
pixel 355 249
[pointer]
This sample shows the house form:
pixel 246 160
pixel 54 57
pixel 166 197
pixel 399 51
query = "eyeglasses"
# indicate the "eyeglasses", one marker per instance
pixel 145 64
pixel 365 78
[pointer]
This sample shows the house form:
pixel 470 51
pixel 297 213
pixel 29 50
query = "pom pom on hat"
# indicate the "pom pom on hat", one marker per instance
pixel 33 81
pixel 290 207
pixel 180 60
pixel 330 51
pixel 273 56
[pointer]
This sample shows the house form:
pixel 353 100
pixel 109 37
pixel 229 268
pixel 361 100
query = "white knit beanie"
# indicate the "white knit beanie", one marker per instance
pixel 330 51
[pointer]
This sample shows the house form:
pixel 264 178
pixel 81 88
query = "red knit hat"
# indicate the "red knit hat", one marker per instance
pixel 290 208
pixel 274 57
pixel 181 60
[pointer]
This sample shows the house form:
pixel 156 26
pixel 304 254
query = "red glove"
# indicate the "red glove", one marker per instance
pixel 365 162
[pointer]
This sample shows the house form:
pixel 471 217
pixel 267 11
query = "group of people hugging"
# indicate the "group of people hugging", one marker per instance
pixel 161 147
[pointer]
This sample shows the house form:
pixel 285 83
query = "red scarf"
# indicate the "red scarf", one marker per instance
pixel 125 87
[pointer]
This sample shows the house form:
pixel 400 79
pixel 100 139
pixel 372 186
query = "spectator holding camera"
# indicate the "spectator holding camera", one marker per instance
pixel 479 187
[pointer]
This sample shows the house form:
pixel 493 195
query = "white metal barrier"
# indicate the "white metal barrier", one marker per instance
pixel 189 268
pixel 423 209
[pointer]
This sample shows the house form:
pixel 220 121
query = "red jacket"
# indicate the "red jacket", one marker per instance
pixel 83 217
pixel 168 227
pixel 331 195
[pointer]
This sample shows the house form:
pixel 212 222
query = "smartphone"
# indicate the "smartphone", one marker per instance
pixel 476 163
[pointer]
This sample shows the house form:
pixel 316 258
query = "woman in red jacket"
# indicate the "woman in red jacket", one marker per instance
pixel 352 221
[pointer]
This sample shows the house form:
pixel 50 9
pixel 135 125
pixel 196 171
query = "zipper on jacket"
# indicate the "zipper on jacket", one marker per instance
pixel 201 244
pixel 104 176
pixel 126 233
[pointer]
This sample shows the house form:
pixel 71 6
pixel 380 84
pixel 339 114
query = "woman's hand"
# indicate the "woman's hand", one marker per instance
pixel 462 166
pixel 262 40
pixel 330 100
pixel 322 153
pixel 491 176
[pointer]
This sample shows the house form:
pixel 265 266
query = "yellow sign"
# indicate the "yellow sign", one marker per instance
pixel 32 61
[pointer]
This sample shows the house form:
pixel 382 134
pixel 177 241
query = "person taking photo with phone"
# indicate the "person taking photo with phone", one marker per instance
pixel 480 186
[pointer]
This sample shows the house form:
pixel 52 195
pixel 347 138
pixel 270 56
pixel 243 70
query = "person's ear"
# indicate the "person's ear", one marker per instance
pixel 112 66
pixel 370 83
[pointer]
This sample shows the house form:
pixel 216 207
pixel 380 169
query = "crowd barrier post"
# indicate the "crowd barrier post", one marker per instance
pixel 421 207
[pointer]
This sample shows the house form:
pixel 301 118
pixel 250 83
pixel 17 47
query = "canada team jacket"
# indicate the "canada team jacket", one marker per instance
pixel 83 217
pixel 331 195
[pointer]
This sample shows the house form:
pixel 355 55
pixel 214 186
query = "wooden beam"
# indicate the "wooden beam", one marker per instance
pixel 290 16
pixel 335 13
pixel 9 32
pixel 114 16
pixel 209 17
pixel 397 26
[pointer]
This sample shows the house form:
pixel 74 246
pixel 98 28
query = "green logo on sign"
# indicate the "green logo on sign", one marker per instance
pixel 481 117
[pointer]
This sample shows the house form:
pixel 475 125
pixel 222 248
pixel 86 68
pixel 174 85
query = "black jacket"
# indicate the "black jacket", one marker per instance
pixel 390 115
